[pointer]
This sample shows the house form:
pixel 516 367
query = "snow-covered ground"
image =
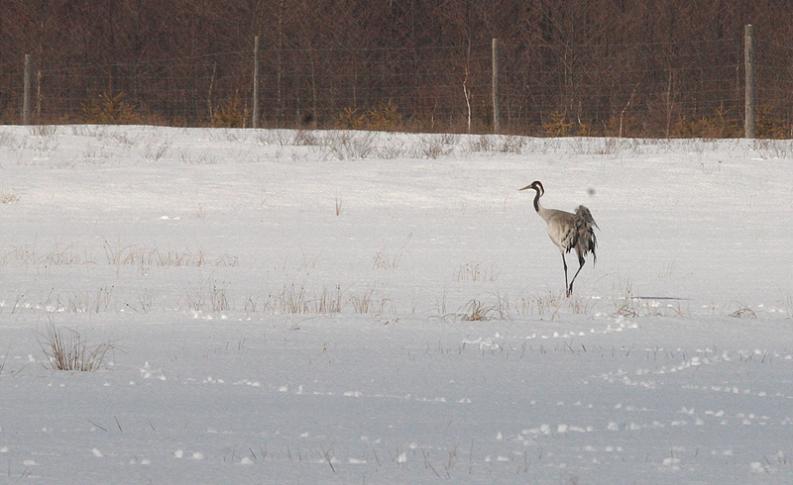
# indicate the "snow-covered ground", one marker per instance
pixel 294 307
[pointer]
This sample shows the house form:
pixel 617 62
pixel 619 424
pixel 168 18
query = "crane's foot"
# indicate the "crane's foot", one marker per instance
pixel 569 291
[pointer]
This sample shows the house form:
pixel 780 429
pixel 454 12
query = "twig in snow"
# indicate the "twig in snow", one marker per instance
pixel 98 426
pixel 328 458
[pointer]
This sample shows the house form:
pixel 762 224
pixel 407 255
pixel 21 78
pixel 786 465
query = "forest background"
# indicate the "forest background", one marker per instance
pixel 667 68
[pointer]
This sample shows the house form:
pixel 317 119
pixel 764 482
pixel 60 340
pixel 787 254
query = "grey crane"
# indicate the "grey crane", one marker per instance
pixel 568 231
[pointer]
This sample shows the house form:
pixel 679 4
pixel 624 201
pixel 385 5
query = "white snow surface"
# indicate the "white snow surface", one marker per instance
pixel 213 261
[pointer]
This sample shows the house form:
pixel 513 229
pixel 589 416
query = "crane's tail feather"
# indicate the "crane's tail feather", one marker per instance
pixel 585 225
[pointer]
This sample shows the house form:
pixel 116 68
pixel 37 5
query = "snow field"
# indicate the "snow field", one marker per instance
pixel 296 307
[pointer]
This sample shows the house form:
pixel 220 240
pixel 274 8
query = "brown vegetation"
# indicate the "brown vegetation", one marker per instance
pixel 582 67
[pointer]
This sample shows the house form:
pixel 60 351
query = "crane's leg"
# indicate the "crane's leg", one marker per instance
pixel 581 262
pixel 565 274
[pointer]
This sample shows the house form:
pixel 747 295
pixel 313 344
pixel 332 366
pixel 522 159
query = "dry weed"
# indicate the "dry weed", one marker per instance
pixel 71 352
pixel 8 198
pixel 476 311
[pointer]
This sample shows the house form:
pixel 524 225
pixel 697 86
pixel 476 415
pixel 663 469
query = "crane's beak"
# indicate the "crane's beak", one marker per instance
pixel 526 187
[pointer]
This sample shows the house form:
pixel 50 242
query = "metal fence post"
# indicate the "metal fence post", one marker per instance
pixel 26 92
pixel 255 120
pixel 749 94
pixel 496 124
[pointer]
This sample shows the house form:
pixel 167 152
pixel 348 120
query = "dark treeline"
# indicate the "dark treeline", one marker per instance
pixel 580 67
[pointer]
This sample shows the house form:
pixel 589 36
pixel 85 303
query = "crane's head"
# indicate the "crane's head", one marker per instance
pixel 536 185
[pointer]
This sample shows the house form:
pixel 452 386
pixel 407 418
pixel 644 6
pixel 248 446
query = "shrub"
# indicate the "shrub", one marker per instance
pixel 557 125
pixel 769 125
pixel 385 116
pixel 718 125
pixel 230 114
pixel 110 109
pixel 345 145
pixel 350 119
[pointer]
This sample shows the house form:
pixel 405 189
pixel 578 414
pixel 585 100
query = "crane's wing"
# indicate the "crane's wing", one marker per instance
pixel 585 225
pixel 583 216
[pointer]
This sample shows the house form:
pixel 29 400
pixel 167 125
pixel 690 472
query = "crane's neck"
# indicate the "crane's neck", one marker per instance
pixel 542 211
pixel 537 206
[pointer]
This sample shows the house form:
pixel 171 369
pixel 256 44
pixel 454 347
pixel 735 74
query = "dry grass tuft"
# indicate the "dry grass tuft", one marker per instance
pixel 475 272
pixel 43 130
pixel 8 198
pixel 552 304
pixel 3 362
pixel 70 352
pixel 434 147
pixel 513 144
pixel 218 299
pixel 119 255
pixel 363 303
pixel 156 152
pixel 549 302
pixel 292 300
pixel 366 303
pixel 305 138
pixel 295 300
pixel 345 145
pixel 476 311
pixel 482 144
pixel 385 261
pixel 627 310
pixel 327 302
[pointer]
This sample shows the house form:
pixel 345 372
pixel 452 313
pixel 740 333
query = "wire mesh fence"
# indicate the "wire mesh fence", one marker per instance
pixel 675 89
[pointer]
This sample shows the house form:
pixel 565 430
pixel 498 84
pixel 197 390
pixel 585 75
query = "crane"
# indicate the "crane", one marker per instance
pixel 568 231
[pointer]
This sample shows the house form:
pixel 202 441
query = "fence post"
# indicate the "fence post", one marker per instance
pixel 38 95
pixel 26 92
pixel 749 95
pixel 496 124
pixel 255 121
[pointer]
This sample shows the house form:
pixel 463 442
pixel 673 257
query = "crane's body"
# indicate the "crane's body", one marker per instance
pixel 568 231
